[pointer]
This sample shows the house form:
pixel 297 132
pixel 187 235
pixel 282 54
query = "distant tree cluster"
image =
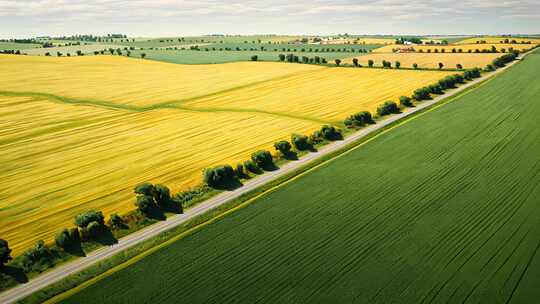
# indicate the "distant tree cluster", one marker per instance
pixel 292 58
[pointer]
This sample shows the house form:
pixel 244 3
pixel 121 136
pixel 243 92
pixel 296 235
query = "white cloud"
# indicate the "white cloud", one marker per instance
pixel 436 16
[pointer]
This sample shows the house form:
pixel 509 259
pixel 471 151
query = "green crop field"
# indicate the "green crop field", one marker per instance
pixel 207 57
pixel 294 47
pixel 442 209
pixel 17 46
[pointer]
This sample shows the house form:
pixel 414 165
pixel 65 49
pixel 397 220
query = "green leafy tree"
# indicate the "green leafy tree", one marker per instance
pixel 283 146
pixel 405 101
pixel 387 108
pixel 421 94
pixel 94 229
pixel 435 89
pixel 5 253
pixel 143 55
pixel 359 119
pixel 219 176
pixel 415 66
pixel 300 142
pixel 330 132
pixel 37 258
pixel 65 239
pixel 240 171
pixel 251 166
pixel 338 62
pixel 441 65
pixel 162 195
pixel 144 189
pixel 145 203
pixel 84 219
pixel 262 158
pixel 397 64
pixel 355 62
pixel 116 221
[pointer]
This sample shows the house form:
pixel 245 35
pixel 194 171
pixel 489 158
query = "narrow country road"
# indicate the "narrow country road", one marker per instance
pixel 19 292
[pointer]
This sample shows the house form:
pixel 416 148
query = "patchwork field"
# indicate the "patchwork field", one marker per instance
pixel 441 209
pixel 78 133
pixel 425 60
pixel 464 47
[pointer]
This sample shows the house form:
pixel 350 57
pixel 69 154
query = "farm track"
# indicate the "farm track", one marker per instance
pixel 296 260
pixel 171 105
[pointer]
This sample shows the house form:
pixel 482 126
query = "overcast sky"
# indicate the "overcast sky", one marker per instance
pixel 23 18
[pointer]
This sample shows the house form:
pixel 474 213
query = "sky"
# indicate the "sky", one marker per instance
pixel 30 18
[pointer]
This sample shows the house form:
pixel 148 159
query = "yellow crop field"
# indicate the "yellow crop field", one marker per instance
pixel 464 47
pixel 374 41
pixel 79 133
pixel 131 81
pixel 59 160
pixel 499 40
pixel 329 95
pixel 359 41
pixel 428 60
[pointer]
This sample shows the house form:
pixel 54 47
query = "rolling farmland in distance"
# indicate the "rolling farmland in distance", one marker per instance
pixel 441 209
pixel 93 127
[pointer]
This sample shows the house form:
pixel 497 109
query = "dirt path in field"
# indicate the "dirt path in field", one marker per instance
pixel 19 292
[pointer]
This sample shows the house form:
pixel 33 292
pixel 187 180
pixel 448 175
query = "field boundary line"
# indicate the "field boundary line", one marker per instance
pixel 289 172
pixel 141 109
